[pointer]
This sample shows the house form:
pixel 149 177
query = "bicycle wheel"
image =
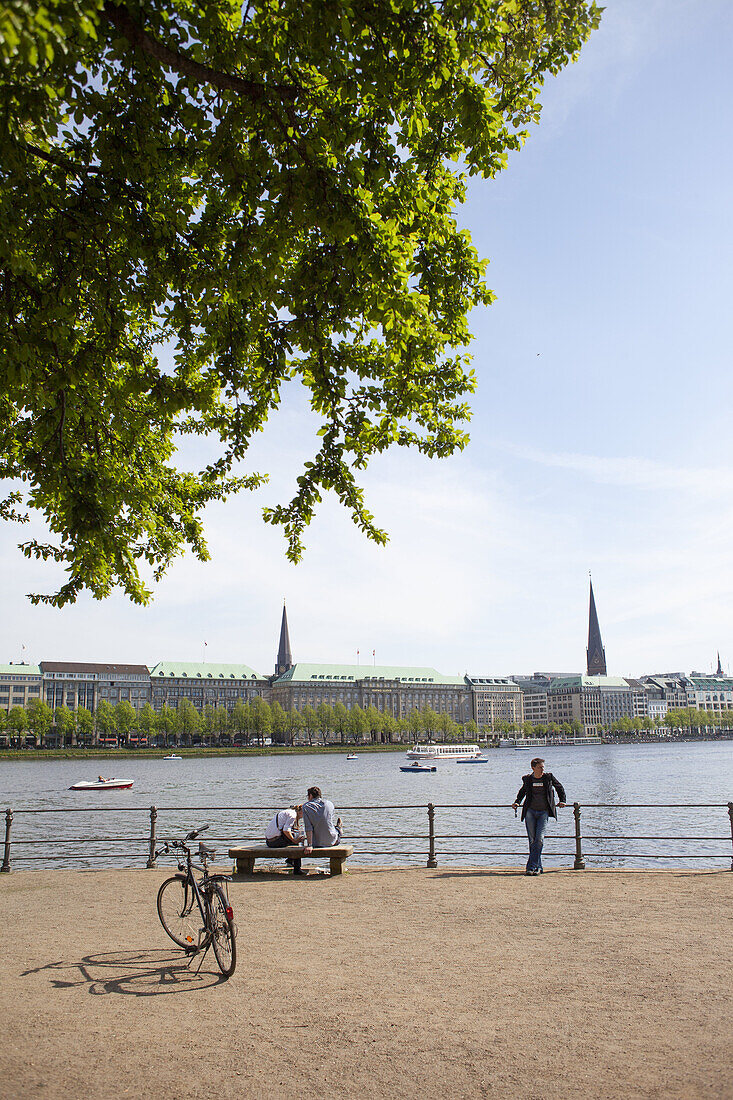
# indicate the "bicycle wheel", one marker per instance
pixel 222 933
pixel 178 911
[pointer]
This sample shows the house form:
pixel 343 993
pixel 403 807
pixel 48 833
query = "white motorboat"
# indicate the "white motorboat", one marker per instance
pixel 416 766
pixel 172 756
pixel 430 751
pixel 102 784
pixel 351 756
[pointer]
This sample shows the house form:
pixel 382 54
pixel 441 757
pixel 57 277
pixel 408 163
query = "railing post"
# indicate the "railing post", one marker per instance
pixel 730 815
pixel 6 855
pixel 432 861
pixel 153 817
pixel 579 864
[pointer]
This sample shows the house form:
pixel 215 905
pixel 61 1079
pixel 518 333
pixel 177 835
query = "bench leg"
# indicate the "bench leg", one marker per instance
pixel 246 866
pixel 337 865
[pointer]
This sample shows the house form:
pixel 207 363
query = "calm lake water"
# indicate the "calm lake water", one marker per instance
pixel 385 810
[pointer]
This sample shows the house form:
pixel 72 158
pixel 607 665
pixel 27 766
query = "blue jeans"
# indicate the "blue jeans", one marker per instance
pixel 536 822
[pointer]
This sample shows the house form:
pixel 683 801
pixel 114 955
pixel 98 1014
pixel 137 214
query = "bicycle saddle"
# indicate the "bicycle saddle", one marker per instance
pixel 206 853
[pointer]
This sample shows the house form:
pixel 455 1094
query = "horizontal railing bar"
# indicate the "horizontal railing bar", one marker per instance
pixel 587 805
pixel 594 855
pixel 84 840
pixel 410 806
pixel 189 809
pixel 444 852
pixel 656 855
pixel 611 836
pixel 366 836
pixel 567 836
pixel 56 859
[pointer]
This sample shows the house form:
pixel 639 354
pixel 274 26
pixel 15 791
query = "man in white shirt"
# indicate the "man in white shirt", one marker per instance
pixel 284 830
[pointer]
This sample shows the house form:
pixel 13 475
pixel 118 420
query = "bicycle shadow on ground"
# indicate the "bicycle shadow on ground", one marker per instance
pixel 133 973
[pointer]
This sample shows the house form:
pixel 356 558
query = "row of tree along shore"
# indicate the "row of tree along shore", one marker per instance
pixel 267 725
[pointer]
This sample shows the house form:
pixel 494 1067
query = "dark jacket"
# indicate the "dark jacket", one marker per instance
pixel 551 785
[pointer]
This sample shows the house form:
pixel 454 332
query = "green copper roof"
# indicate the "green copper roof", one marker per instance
pixel 203 671
pixel 302 673
pixel 711 683
pixel 20 670
pixel 564 682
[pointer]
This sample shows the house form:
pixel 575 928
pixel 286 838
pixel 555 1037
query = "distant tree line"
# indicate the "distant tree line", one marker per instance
pixel 251 723
pixel 256 722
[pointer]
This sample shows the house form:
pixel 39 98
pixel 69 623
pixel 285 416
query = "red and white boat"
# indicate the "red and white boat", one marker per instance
pixel 102 784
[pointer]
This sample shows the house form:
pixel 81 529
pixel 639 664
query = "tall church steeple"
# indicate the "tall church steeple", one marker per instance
pixel 720 667
pixel 595 652
pixel 284 656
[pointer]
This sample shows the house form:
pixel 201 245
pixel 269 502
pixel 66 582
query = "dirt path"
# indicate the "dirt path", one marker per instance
pixel 416 984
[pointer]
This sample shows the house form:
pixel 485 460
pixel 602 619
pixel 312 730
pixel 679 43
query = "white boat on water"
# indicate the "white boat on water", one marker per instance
pixel 172 756
pixel 102 784
pixel 351 756
pixel 430 751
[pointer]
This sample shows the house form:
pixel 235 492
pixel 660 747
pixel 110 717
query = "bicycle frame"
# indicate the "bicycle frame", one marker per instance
pixel 187 870
pixel 210 894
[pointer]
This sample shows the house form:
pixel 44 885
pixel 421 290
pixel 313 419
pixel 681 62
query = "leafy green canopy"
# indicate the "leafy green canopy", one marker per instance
pixel 269 191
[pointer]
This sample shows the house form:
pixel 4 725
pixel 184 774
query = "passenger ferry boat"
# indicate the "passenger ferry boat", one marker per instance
pixel 444 752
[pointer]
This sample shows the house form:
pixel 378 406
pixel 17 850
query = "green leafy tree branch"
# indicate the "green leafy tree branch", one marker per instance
pixel 206 205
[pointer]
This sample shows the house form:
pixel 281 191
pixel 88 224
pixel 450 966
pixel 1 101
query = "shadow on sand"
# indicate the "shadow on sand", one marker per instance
pixel 140 974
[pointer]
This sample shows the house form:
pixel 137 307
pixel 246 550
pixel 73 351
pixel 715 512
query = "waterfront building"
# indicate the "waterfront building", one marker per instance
pixel 595 701
pixel 204 684
pixel 495 699
pixel 75 684
pixel 713 693
pixel 698 691
pixel 667 688
pixel 534 690
pixel 656 704
pixel 393 689
pixel 19 685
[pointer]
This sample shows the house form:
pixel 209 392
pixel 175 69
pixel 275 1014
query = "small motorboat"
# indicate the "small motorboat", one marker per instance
pixel 418 767
pixel 352 756
pixel 102 784
pixel 474 760
pixel 172 756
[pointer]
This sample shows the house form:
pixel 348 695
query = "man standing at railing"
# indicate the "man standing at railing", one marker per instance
pixel 538 795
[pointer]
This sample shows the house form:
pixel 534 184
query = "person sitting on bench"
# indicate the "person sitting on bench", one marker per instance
pixel 320 830
pixel 283 831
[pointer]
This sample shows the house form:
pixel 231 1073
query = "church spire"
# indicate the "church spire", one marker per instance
pixel 596 653
pixel 284 656
pixel 720 667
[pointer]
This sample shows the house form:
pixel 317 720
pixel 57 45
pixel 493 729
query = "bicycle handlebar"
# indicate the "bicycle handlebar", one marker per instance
pixel 180 845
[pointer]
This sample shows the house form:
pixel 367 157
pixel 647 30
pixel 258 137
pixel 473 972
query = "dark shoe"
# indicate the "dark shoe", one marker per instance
pixel 299 872
pixel 528 873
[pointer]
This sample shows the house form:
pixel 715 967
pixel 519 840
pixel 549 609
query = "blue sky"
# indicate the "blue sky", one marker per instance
pixel 600 434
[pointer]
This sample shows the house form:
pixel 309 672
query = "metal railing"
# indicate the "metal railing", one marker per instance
pixel 374 831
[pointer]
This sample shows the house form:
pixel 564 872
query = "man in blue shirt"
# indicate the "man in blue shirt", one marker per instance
pixel 318 822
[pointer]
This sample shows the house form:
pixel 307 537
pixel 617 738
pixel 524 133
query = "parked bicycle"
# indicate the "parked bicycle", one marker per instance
pixel 193 905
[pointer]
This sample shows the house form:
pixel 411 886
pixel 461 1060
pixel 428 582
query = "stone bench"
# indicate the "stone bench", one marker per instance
pixel 245 857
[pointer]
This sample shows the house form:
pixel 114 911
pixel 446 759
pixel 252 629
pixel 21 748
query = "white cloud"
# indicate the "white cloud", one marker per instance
pixel 632 471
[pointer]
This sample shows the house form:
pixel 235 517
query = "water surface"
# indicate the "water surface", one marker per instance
pixel 384 809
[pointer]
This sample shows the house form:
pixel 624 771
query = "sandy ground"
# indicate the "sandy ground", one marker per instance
pixel 417 983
